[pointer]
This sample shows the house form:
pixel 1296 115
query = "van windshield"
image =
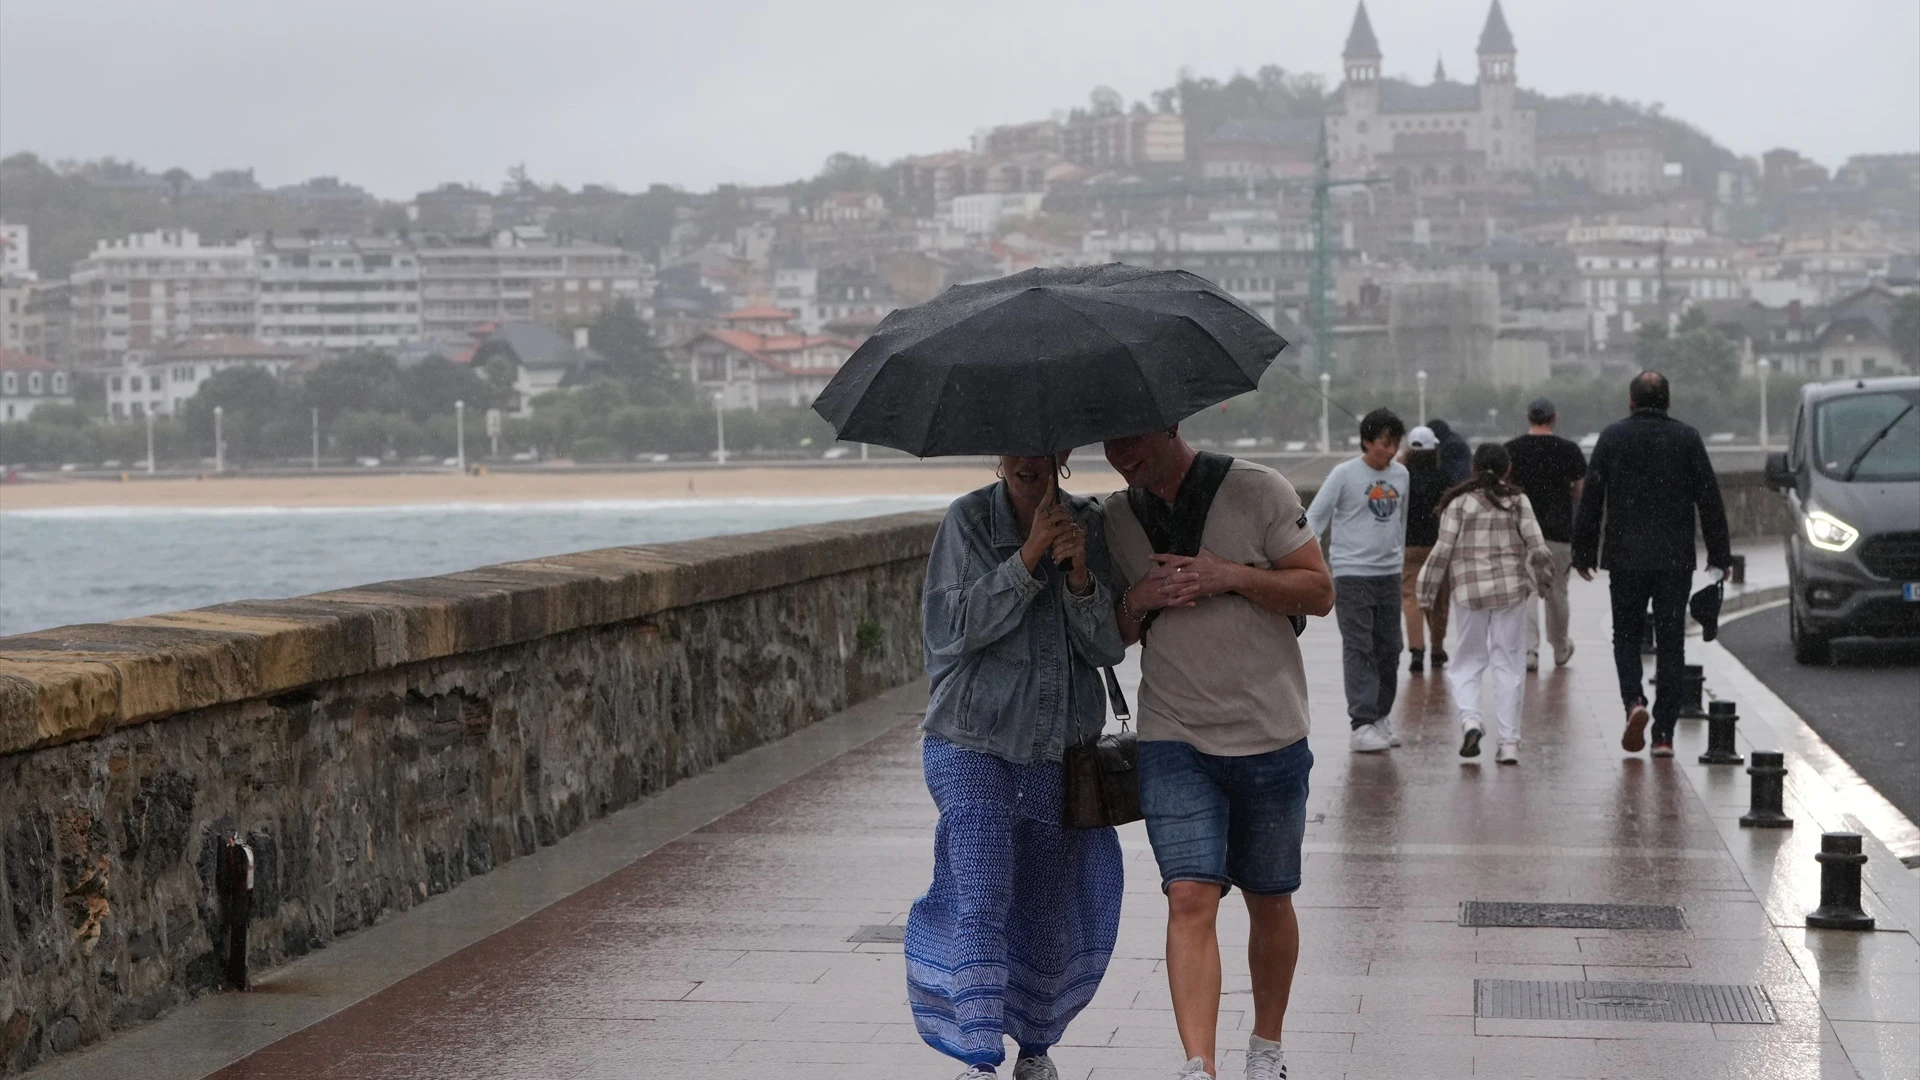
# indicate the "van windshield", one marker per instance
pixel 1870 437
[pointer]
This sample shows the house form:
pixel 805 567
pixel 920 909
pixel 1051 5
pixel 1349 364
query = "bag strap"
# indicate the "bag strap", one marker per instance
pixel 1121 711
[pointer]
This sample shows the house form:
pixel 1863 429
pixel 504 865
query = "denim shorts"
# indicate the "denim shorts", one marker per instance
pixel 1228 820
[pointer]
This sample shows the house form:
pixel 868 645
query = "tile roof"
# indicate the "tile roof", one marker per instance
pixel 751 314
pixel 770 349
pixel 17 360
pixel 1495 38
pixel 224 348
pixel 1361 44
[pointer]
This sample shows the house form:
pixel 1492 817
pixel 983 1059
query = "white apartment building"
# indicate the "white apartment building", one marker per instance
pixel 524 274
pixel 339 292
pixel 28 382
pixel 15 251
pixel 150 288
pixel 984 212
pixel 160 382
pixel 21 323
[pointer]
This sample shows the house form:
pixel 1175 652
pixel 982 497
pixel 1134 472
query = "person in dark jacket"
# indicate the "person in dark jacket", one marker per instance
pixel 1425 484
pixel 1647 479
pixel 1456 457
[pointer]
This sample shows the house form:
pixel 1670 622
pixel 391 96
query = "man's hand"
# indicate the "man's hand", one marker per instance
pixel 1585 572
pixel 1207 573
pixel 1163 587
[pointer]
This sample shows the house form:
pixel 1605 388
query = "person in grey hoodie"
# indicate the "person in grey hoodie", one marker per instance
pixel 1363 501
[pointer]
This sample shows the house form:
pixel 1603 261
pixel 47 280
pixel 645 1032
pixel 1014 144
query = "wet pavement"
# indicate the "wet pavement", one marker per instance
pixel 725 953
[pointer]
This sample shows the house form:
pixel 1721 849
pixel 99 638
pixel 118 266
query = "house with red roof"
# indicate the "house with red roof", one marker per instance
pixel 756 358
pixel 28 382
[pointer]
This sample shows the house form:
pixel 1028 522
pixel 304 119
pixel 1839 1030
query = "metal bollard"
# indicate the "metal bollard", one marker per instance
pixel 1840 861
pixel 1693 685
pixel 236 902
pixel 1766 807
pixel 1737 573
pixel 1721 718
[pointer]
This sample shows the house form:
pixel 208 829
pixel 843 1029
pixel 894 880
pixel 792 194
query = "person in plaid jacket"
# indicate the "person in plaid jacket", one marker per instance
pixel 1493 555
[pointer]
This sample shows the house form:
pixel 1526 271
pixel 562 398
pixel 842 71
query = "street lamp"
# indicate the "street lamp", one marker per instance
pixel 720 428
pixel 1420 379
pixel 1326 437
pixel 219 439
pixel 149 442
pixel 460 434
pixel 316 440
pixel 1761 369
pixel 1493 421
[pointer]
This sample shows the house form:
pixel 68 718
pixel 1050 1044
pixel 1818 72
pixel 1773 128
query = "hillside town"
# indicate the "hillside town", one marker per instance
pixel 1464 231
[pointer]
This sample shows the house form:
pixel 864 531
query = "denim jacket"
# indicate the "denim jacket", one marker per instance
pixel 1014 657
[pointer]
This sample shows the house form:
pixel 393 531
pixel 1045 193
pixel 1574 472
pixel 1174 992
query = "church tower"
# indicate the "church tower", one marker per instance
pixel 1358 126
pixel 1507 145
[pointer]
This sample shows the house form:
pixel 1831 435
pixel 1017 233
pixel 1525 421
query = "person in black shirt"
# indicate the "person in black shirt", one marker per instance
pixel 1456 457
pixel 1551 470
pixel 1425 484
pixel 1649 477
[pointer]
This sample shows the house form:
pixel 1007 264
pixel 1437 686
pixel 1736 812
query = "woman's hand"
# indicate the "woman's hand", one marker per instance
pixel 1049 523
pixel 1070 550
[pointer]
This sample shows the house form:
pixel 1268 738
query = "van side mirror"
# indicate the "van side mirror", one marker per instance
pixel 1779 476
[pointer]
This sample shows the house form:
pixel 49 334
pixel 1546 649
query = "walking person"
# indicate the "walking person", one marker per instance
pixel 1491 546
pixel 1363 499
pixel 1647 481
pixel 1223 715
pixel 1456 457
pixel 1013 936
pixel 1551 470
pixel 1425 486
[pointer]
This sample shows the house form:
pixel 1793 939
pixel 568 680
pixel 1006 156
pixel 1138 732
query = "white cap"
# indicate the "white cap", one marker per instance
pixel 1422 438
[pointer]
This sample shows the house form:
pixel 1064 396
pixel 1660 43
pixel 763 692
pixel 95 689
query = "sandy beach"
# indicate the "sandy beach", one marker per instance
pixel 427 489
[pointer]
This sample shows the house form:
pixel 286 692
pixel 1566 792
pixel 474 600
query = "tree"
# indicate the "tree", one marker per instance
pixel 1694 355
pixel 254 413
pixel 1906 330
pixel 431 387
pixel 624 338
pixel 357 382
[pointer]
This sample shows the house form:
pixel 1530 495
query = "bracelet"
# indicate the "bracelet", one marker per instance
pixel 1126 606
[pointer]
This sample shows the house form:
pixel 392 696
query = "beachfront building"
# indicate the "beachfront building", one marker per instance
pixel 543 359
pixel 160 381
pixel 28 382
pixel 339 292
pixel 757 358
pixel 150 288
pixel 524 275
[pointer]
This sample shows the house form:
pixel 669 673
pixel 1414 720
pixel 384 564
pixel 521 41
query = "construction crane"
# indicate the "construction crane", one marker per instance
pixel 1322 281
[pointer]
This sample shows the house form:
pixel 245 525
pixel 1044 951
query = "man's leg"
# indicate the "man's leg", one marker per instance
pixel 1273 950
pixel 1670 593
pixel 1353 607
pixel 1628 590
pixel 1556 604
pixel 1386 641
pixel 1184 798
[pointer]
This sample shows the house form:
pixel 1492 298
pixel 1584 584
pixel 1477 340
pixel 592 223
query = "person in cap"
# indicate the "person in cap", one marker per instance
pixel 1551 470
pixel 1425 485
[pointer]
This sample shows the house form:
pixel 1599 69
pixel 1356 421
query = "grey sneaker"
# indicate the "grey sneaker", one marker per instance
pixel 1267 1064
pixel 978 1072
pixel 1560 658
pixel 1368 739
pixel 1035 1068
pixel 1194 1069
pixel 1533 660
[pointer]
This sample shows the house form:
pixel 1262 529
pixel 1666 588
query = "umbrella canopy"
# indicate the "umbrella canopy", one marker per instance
pixel 1046 360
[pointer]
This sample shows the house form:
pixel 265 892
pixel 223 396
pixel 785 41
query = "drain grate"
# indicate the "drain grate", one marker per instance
pixel 872 935
pixel 1678 1003
pixel 1572 916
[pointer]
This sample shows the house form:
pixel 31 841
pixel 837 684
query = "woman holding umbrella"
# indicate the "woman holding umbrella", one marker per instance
pixel 1014 935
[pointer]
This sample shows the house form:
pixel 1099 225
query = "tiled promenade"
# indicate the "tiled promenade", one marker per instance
pixel 724 954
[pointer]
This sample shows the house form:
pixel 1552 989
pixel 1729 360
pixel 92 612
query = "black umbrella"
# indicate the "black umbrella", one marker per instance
pixel 1046 360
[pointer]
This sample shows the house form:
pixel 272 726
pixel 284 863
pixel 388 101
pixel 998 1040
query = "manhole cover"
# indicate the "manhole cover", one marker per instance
pixel 1572 916
pixel 1679 1003
pixel 894 935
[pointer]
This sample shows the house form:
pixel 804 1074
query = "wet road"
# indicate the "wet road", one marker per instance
pixel 1866 704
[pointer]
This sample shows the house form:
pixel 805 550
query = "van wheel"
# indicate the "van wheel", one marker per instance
pixel 1808 647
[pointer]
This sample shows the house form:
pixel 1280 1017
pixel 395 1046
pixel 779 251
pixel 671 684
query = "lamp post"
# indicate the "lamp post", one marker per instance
pixel 219 439
pixel 1761 369
pixel 1493 421
pixel 149 442
pixel 719 429
pixel 1420 380
pixel 1326 438
pixel 460 434
pixel 316 440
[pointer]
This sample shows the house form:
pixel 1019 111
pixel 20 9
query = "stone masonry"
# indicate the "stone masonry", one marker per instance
pixel 378 746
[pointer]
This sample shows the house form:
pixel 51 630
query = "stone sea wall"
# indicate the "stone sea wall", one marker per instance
pixel 380 745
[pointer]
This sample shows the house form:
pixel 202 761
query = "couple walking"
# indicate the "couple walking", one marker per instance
pixel 1029 592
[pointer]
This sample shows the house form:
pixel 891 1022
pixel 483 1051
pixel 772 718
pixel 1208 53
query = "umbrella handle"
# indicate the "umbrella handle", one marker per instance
pixel 1053 494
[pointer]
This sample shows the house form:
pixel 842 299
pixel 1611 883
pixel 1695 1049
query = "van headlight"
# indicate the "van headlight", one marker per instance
pixel 1829 533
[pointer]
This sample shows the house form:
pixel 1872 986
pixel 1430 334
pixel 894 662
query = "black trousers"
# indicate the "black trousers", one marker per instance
pixel 1668 591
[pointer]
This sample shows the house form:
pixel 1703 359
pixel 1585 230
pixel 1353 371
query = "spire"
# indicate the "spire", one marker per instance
pixel 1495 38
pixel 1361 44
pixel 1439 69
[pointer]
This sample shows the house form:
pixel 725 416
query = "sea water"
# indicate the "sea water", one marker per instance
pixel 97 564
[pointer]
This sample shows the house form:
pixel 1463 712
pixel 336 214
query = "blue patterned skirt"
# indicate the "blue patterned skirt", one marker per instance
pixel 1015 933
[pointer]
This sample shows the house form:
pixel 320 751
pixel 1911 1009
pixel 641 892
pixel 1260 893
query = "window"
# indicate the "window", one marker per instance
pixel 133 384
pixel 10 383
pixel 33 382
pixel 112 384
pixel 59 382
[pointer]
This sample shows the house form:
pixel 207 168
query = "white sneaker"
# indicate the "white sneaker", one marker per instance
pixel 1560 657
pixel 1508 754
pixel 1194 1069
pixel 1035 1068
pixel 1386 728
pixel 1267 1064
pixel 978 1072
pixel 1368 739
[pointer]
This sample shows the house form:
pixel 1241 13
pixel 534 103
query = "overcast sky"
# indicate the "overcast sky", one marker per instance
pixel 399 95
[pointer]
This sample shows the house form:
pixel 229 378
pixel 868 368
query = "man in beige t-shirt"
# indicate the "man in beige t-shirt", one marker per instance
pixel 1223 715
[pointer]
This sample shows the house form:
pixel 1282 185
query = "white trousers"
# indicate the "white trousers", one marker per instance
pixel 1490 639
